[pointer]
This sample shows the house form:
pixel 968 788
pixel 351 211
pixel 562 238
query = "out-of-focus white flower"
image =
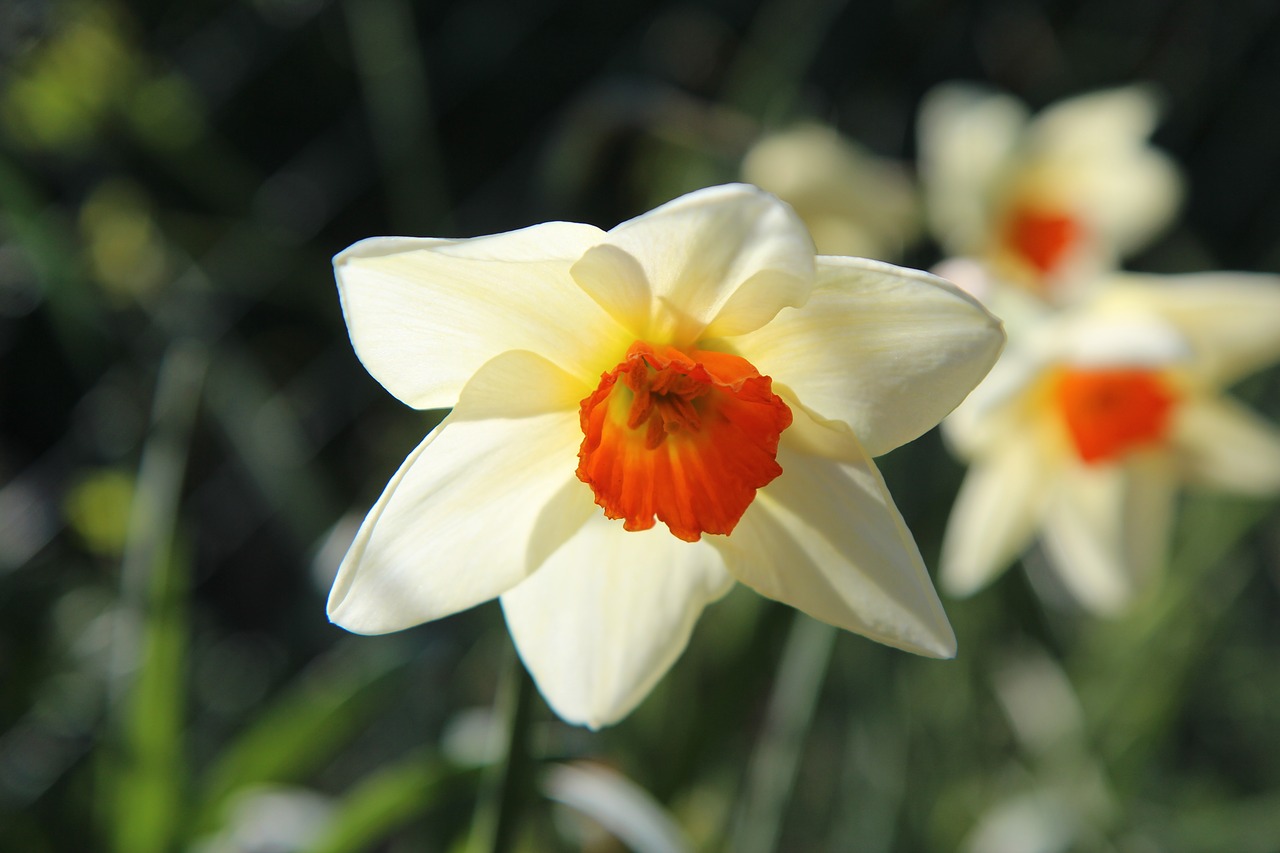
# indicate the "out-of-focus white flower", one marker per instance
pixel 1046 203
pixel 696 364
pixel 852 202
pixel 270 818
pixel 615 804
pixel 1089 423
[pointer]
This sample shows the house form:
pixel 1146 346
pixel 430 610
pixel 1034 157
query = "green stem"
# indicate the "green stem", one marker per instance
pixel 772 773
pixel 146 765
pixel 506 788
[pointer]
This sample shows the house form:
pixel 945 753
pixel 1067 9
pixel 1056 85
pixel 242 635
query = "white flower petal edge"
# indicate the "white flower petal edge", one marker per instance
pixel 888 351
pixel 608 614
pixel 1107 526
pixel 967 135
pixel 1082 533
pixel 425 314
pixel 853 202
pixel 1232 320
pixel 1106 120
pixel 1225 446
pixel 826 538
pixel 1129 189
pixel 723 260
pixel 995 514
pixel 1091 152
pixel 507 452
pixel 1127 338
pixel 1149 506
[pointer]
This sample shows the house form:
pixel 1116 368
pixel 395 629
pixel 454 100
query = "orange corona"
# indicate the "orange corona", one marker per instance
pixel 686 437
pixel 1041 238
pixel 1111 412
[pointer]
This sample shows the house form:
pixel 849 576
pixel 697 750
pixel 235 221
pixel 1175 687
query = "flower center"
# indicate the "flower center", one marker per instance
pixel 1042 238
pixel 1111 412
pixel 684 437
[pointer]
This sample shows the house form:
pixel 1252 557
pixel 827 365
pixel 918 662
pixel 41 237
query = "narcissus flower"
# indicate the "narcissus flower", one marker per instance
pixel 1091 421
pixel 853 202
pixel 640 418
pixel 1047 203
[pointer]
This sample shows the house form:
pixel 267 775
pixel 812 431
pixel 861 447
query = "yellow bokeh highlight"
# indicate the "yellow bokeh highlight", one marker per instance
pixel 97 508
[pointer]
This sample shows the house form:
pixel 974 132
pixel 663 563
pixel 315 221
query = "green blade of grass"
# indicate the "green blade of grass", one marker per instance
pixel 772 772
pixel 1131 703
pixel 509 784
pixel 388 799
pixel 147 792
pixel 313 718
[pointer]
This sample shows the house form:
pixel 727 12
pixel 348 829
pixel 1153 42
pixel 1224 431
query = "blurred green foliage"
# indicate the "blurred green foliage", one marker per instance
pixel 186 438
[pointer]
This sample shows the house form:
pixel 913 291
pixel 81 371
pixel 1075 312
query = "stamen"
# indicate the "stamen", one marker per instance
pixel 1109 413
pixel 688 438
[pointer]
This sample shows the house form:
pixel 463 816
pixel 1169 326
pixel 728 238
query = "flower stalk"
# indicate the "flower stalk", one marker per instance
pixel 504 791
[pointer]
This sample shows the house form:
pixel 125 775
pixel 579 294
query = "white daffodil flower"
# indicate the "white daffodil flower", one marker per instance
pixel 1045 203
pixel 697 365
pixel 853 202
pixel 1091 421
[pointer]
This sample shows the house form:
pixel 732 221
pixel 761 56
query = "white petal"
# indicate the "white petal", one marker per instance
pixel 995 514
pixel 1150 503
pixel 852 202
pixel 424 314
pixel 1105 120
pixel 1106 528
pixel 997 408
pixel 1223 445
pixel 826 538
pixel 427 548
pixel 1130 197
pixel 1125 188
pixel 1117 339
pixel 608 614
pixel 1232 320
pixel 1122 337
pixel 887 350
pixel 1082 536
pixel 968 140
pixel 618 804
pixel 725 259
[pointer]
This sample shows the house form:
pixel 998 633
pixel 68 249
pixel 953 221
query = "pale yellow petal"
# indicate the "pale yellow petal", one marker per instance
pixel 1225 446
pixel 1086 537
pixel 968 140
pixel 723 260
pixel 425 314
pixel 1125 189
pixel 1001 406
pixel 427 548
pixel 852 202
pixel 1149 508
pixel 1130 197
pixel 996 513
pixel 1232 320
pixel 1106 120
pixel 889 351
pixel 827 539
pixel 608 614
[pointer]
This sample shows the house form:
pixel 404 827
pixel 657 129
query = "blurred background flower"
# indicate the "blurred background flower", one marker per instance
pixel 1093 419
pixel 185 436
pixel 852 202
pixel 1049 203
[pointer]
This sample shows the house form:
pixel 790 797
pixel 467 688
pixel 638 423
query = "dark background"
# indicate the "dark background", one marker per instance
pixel 174 179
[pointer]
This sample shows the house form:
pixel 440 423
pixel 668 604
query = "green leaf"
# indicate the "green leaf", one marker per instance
pixel 387 799
pixel 147 797
pixel 314 717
